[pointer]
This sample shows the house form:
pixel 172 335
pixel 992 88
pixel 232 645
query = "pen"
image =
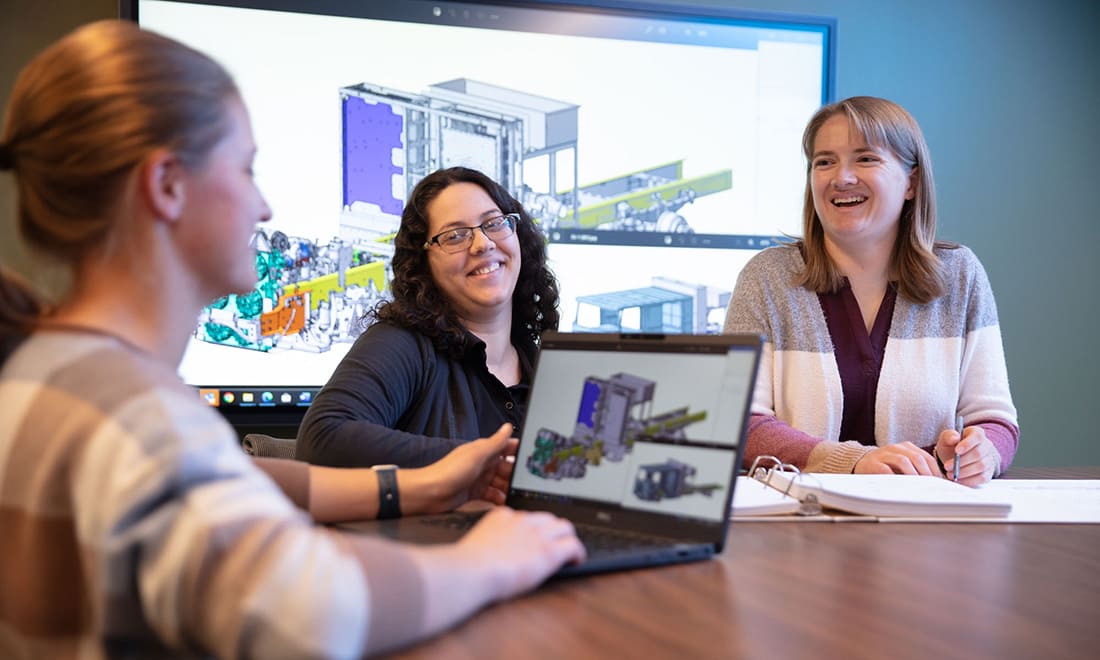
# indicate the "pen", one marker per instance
pixel 959 428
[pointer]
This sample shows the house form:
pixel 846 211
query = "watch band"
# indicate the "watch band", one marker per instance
pixel 389 500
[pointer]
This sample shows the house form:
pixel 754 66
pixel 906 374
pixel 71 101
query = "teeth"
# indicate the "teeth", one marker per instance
pixel 484 270
pixel 850 200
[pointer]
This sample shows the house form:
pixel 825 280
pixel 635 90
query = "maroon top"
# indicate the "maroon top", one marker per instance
pixel 858 357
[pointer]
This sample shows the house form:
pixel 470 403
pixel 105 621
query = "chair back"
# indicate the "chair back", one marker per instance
pixel 266 446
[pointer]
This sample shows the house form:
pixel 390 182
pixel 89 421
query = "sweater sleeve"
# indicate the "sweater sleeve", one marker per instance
pixel 769 436
pixel 221 561
pixel 984 395
pixel 354 420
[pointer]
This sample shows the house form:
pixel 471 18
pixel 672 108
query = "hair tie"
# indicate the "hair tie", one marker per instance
pixel 7 156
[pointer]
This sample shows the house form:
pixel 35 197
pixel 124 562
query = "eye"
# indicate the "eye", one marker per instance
pixel 455 236
pixel 821 162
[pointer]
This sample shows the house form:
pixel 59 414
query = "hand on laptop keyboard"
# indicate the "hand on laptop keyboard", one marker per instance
pixel 522 548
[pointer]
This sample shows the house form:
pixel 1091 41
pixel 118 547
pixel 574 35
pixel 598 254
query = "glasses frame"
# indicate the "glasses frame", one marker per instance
pixel 512 221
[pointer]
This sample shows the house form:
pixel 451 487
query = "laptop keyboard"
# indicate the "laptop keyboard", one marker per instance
pixel 598 541
pixel 602 541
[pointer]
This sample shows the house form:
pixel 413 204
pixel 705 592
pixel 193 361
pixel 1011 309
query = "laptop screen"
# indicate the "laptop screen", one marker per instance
pixel 650 425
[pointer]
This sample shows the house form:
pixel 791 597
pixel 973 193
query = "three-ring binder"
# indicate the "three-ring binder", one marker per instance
pixel 807 505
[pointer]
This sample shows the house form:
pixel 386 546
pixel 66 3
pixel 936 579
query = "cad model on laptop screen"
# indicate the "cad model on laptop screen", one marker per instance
pixel 649 432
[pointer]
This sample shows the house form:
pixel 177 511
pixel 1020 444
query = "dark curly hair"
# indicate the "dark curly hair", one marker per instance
pixel 417 302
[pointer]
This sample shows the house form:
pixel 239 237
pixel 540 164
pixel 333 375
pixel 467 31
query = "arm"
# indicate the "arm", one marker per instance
pixel 750 310
pixel 992 435
pixel 194 545
pixel 475 470
pixel 769 436
pixel 354 420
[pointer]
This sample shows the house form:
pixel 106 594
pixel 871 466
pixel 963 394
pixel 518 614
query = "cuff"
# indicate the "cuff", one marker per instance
pixel 836 456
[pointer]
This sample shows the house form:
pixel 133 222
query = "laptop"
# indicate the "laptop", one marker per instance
pixel 634 438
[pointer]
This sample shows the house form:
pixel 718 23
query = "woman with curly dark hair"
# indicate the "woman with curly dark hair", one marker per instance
pixel 449 358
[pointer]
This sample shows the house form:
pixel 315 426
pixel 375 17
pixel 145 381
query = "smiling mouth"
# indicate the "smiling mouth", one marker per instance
pixel 487 268
pixel 851 200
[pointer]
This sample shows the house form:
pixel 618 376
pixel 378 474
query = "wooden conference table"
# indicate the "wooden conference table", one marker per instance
pixel 822 590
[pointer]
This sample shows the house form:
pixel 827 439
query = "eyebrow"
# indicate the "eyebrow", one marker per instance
pixel 858 150
pixel 485 215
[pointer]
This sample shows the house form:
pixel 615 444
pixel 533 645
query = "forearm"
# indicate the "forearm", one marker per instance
pixel 334 442
pixel 1005 438
pixel 768 436
pixel 342 494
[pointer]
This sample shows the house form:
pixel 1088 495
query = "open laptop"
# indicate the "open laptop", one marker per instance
pixel 636 439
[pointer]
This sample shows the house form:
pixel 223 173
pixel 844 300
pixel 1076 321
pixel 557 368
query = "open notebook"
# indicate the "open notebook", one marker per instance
pixel 636 439
pixel 778 491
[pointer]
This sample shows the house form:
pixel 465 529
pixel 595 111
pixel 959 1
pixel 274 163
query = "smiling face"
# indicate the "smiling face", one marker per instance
pixel 224 205
pixel 858 189
pixel 478 281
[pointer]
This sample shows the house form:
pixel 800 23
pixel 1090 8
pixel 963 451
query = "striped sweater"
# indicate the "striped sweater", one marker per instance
pixel 940 357
pixel 132 524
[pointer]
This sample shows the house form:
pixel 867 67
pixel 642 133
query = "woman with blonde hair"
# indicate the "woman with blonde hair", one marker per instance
pixel 883 352
pixel 133 523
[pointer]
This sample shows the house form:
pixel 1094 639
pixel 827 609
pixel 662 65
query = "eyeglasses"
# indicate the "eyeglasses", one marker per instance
pixel 461 238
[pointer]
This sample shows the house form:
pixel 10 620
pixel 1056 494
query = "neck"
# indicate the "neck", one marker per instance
pixel 496 333
pixel 140 298
pixel 501 357
pixel 864 265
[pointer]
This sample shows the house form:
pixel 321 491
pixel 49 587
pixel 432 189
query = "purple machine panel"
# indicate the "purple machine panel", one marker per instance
pixel 371 133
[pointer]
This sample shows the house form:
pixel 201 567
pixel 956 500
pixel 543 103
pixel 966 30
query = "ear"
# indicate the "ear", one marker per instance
pixel 911 191
pixel 161 180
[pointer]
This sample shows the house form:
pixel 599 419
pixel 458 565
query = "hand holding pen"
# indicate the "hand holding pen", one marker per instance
pixel 973 455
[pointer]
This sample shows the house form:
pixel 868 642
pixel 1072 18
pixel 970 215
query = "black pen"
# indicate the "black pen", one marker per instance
pixel 959 428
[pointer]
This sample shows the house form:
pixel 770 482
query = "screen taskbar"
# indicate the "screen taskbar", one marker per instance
pixel 663 239
pixel 242 398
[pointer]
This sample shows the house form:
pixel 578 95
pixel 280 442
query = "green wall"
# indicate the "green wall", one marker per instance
pixel 1006 92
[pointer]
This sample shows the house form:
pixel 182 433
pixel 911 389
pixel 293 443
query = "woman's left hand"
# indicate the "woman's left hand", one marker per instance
pixel 975 453
pixel 477 470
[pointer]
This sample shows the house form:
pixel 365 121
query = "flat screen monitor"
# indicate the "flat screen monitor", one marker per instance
pixel 657 146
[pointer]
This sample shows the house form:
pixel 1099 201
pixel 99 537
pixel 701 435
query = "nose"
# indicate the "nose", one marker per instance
pixel 265 210
pixel 481 242
pixel 845 175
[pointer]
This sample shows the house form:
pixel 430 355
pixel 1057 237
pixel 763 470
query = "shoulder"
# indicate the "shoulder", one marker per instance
pixel 966 277
pixel 781 260
pixel 958 258
pixel 97 369
pixel 769 271
pixel 124 417
pixel 394 338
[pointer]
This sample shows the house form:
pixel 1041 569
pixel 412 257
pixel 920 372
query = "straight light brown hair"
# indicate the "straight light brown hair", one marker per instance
pixel 886 125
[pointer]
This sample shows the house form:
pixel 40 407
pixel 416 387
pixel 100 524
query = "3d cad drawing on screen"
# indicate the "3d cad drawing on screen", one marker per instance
pixel 509 134
pixel 307 296
pixel 312 294
pixel 613 415
pixel 669 480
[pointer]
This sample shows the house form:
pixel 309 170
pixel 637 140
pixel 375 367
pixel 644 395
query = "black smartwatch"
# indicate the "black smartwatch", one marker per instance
pixel 389 501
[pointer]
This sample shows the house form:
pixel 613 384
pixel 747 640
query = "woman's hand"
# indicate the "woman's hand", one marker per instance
pixel 902 458
pixel 974 451
pixel 507 553
pixel 529 546
pixel 478 470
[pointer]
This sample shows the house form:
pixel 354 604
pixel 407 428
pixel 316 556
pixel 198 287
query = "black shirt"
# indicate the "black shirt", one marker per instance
pixel 395 398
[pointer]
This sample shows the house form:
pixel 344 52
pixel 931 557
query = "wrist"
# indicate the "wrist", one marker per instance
pixel 389 491
pixel 418 492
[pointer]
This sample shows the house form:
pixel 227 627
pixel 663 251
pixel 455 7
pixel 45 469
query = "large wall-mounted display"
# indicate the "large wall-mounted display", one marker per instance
pixel 656 145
